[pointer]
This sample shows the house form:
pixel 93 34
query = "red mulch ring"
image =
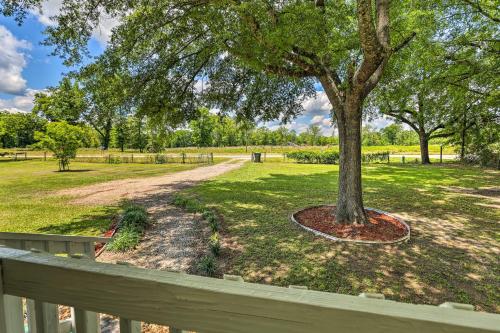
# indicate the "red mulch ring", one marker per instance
pixel 381 227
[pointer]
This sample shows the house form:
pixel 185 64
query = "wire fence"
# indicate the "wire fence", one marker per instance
pixel 181 158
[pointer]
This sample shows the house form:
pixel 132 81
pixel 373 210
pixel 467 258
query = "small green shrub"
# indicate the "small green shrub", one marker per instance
pixel 191 205
pixel 214 243
pixel 375 157
pixel 133 207
pixel 207 265
pixel 179 200
pixel 136 219
pixel 213 223
pixel 313 157
pixel 332 157
pixel 207 214
pixel 125 239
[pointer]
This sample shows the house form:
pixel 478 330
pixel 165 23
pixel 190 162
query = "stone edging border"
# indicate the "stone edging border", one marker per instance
pixel 337 239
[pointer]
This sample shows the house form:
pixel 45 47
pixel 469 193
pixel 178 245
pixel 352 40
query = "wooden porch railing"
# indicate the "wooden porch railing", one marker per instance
pixel 203 304
pixel 78 246
pixel 54 244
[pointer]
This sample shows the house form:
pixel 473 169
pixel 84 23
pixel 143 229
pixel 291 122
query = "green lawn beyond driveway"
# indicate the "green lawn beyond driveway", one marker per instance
pixel 453 212
pixel 26 206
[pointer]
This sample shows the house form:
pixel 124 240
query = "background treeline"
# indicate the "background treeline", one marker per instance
pixel 209 130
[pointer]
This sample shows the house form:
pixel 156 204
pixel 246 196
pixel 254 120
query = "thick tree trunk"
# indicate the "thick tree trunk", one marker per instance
pixel 350 198
pixel 107 134
pixel 424 148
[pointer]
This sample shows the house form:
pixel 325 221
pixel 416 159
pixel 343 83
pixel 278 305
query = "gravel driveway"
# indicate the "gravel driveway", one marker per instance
pixel 149 188
pixel 173 242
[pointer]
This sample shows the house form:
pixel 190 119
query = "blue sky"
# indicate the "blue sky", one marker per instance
pixel 26 67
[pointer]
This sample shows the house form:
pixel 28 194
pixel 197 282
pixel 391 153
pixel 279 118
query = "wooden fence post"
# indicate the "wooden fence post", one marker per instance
pixel 388 158
pixel 45 156
pixel 183 158
pixel 441 154
pixel 132 158
pixel 403 159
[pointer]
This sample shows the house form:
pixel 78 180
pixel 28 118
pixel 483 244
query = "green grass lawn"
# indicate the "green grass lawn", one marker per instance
pixel 26 206
pixel 453 212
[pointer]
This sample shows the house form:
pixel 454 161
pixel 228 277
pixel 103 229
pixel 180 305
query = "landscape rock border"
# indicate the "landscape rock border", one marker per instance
pixel 358 241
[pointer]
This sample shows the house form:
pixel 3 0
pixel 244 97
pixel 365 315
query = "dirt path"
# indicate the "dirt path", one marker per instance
pixel 144 188
pixel 173 240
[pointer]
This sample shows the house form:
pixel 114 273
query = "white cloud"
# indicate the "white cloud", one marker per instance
pixel 317 104
pixel 380 122
pixel 22 103
pixel 51 8
pixel 317 120
pixel 12 62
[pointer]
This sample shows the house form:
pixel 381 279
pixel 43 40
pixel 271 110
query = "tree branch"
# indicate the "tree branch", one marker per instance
pixel 373 51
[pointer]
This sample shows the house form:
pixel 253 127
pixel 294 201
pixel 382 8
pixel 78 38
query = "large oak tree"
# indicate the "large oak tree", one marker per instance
pixel 258 58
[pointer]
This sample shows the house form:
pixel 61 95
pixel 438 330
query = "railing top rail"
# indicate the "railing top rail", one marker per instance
pixel 52 237
pixel 214 305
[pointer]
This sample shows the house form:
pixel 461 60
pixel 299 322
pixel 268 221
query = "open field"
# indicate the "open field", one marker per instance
pixel 433 149
pixel 26 206
pixel 453 212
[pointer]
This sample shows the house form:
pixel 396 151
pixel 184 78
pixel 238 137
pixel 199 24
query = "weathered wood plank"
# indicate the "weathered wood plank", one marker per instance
pixel 130 326
pixel 85 321
pixel 212 305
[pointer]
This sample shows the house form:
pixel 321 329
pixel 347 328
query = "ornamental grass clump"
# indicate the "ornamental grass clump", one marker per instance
pixel 214 244
pixel 208 265
pixel 130 229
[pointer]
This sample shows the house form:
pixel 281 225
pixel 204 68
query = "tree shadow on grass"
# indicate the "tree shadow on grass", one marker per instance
pixel 73 171
pixel 452 255
pixel 90 224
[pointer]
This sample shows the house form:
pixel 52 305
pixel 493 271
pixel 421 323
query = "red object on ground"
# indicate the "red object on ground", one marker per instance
pixel 381 227
pixel 99 247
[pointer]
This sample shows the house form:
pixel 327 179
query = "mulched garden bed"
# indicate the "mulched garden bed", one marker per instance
pixel 381 227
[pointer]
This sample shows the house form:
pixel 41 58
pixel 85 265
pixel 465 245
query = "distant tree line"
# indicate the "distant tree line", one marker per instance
pixel 17 130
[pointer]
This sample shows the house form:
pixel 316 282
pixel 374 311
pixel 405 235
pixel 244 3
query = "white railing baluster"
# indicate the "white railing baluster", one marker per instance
pixel 85 321
pixel 11 316
pixel 46 317
pixel 127 325
pixel 30 315
pixel 130 326
pixel 11 311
